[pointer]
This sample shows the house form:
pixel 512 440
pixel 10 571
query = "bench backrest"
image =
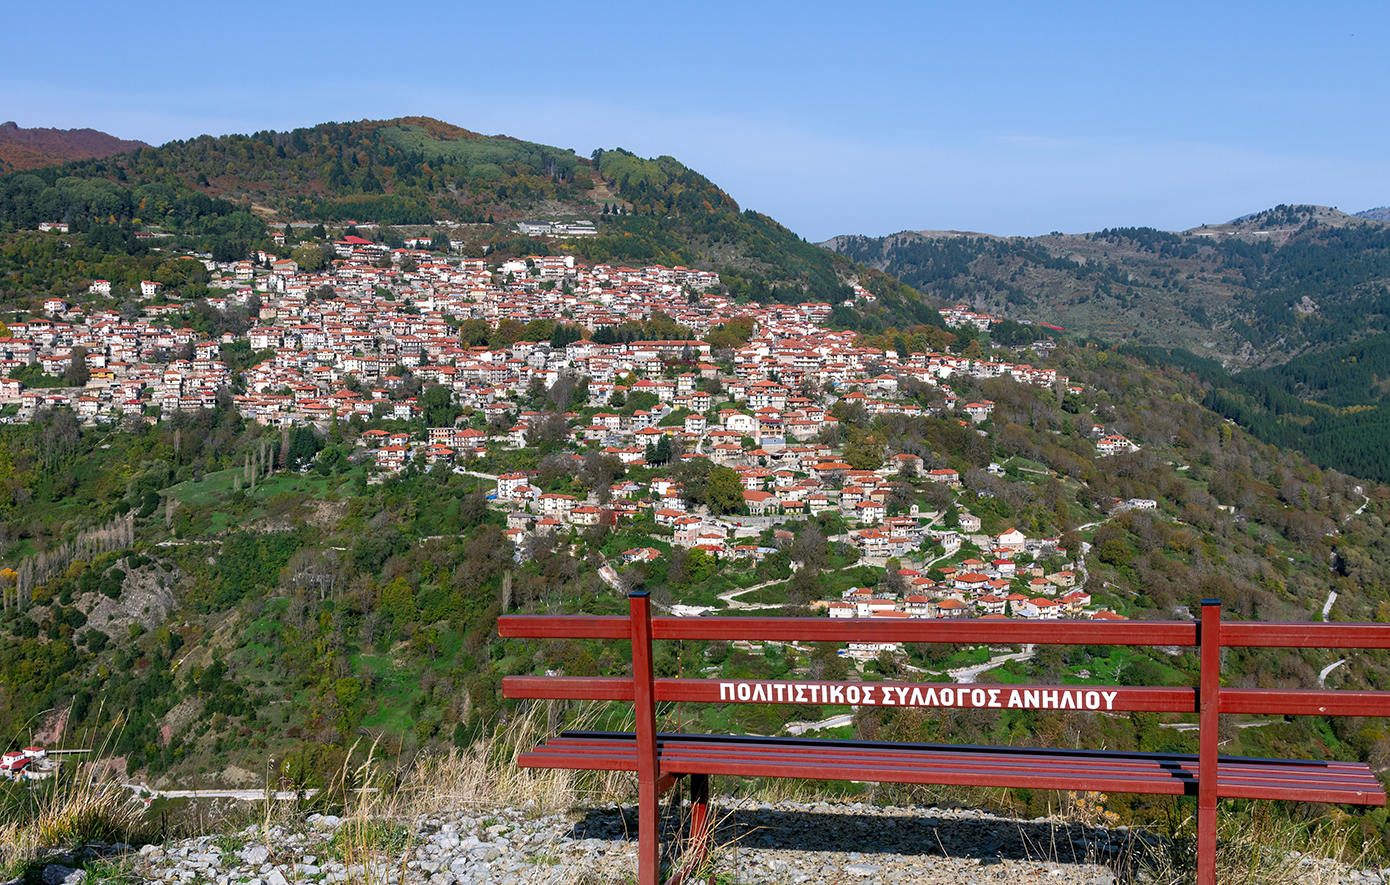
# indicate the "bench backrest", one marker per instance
pixel 1209 635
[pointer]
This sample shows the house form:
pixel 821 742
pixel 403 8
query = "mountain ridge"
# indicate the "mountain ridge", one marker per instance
pixel 427 173
pixel 23 149
pixel 1228 291
pixel 1283 313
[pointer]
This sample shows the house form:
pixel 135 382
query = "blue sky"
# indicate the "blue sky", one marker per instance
pixel 1009 118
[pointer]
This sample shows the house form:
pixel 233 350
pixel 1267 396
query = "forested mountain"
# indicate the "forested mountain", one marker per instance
pixel 1284 312
pixel 1254 292
pixel 223 194
pixel 22 148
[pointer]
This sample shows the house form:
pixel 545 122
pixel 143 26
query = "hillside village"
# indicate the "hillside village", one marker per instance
pixel 367 338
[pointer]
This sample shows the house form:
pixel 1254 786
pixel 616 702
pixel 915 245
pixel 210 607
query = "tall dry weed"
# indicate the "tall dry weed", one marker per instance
pixel 66 811
pixel 1258 846
pixel 487 773
pixel 381 798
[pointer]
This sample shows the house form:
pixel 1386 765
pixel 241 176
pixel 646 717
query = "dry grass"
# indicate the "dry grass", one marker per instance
pixel 381 798
pixel 487 774
pixel 691 861
pixel 1256 845
pixel 1260 847
pixel 67 811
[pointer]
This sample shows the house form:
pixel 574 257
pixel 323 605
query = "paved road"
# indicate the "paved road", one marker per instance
pixel 795 728
pixel 1359 510
pixel 1193 726
pixel 491 476
pixel 731 598
pixel 968 674
pixel 1322 674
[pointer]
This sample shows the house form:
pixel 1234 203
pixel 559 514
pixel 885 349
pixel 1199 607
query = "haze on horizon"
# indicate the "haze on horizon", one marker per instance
pixel 1012 119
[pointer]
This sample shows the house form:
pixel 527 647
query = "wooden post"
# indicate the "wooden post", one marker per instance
pixel 697 848
pixel 648 771
pixel 1208 746
pixel 699 817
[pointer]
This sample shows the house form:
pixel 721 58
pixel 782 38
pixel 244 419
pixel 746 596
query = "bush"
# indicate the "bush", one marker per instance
pixel 111 583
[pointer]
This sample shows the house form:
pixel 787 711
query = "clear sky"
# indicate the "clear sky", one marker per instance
pixel 1009 118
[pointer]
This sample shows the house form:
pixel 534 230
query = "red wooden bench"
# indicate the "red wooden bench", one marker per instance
pixel 661 760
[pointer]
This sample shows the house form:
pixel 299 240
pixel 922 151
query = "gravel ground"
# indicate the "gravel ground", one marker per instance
pixel 786 843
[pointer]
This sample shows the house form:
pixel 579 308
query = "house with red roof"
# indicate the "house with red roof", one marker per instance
pixel 952 608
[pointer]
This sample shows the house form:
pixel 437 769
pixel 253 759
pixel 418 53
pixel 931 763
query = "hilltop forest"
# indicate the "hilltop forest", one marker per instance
pixel 224 194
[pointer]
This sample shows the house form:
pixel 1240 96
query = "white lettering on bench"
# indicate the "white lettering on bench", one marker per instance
pixel 916 696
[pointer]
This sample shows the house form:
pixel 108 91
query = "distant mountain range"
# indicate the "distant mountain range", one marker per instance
pixel 22 149
pixel 1283 314
pixel 1381 213
pixel 1252 292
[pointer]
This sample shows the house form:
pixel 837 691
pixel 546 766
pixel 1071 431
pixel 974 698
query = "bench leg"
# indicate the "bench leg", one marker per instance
pixel 648 833
pixel 1206 842
pixel 699 817
pixel 698 846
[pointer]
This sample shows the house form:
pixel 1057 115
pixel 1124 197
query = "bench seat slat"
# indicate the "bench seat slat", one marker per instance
pixel 1051 752
pixel 1235 777
pixel 1020 767
pixel 821 746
